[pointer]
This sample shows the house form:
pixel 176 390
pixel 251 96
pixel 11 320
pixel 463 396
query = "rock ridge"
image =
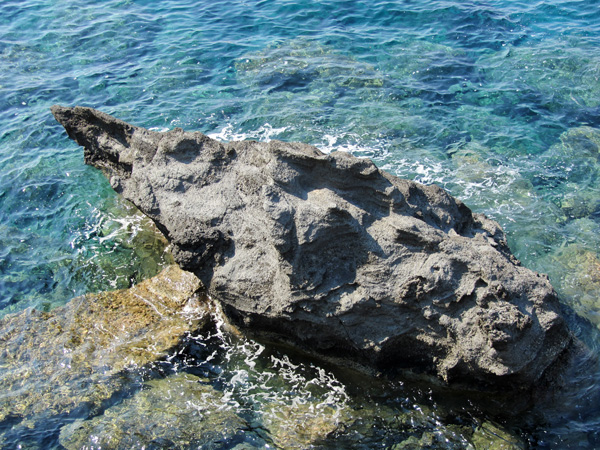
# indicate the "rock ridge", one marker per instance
pixel 333 254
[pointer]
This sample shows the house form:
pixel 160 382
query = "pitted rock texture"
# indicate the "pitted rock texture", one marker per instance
pixel 335 255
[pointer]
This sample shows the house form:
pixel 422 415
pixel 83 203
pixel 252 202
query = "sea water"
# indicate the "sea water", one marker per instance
pixel 497 101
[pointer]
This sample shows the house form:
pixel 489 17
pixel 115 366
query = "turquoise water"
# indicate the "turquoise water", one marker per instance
pixel 497 101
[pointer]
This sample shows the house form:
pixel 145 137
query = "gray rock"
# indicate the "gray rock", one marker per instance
pixel 330 253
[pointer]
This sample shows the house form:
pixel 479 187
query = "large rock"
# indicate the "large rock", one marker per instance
pixel 331 253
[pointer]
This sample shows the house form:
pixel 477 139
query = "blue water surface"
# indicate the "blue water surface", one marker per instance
pixel 497 101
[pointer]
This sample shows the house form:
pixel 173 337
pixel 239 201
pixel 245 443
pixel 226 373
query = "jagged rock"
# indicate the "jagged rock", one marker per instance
pixel 331 253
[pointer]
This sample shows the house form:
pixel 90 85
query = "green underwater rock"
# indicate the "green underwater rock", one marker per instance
pixel 295 64
pixel 562 75
pixel 415 63
pixel 573 166
pixel 578 268
pixel 490 436
pixel 122 248
pixel 177 412
pixel 301 424
pixel 487 178
pixel 417 426
pixel 275 74
pixel 581 142
pixel 76 357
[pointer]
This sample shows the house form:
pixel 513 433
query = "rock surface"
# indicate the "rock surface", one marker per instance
pixel 335 255
pixel 178 412
pixel 77 357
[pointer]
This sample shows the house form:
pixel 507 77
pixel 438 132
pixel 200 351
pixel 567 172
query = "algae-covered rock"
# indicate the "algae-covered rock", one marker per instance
pixel 294 404
pixel 486 436
pixel 485 178
pixel 490 436
pixel 75 357
pixel 562 75
pixel 429 440
pixel 578 268
pixel 580 142
pixel 302 423
pixel 415 66
pixel 177 412
pixel 573 173
pixel 295 64
pixel 471 161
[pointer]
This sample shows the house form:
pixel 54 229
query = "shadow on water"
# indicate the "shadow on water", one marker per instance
pixel 567 409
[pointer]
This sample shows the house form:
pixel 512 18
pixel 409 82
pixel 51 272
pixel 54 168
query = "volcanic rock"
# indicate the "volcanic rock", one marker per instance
pixel 330 253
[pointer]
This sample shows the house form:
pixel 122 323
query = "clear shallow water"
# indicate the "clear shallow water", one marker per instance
pixel 487 99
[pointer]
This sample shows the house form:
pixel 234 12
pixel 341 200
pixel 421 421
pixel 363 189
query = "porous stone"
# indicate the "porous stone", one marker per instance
pixel 334 255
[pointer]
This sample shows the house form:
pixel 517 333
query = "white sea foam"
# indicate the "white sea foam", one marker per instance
pixel 351 143
pixel 264 133
pixel 273 386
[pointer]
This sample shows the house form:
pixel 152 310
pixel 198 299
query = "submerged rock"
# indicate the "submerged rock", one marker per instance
pixel 563 75
pixel 301 425
pixel 77 357
pixel 335 255
pixel 573 173
pixel 178 412
pixel 579 269
pixel 297 63
pixel 490 436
